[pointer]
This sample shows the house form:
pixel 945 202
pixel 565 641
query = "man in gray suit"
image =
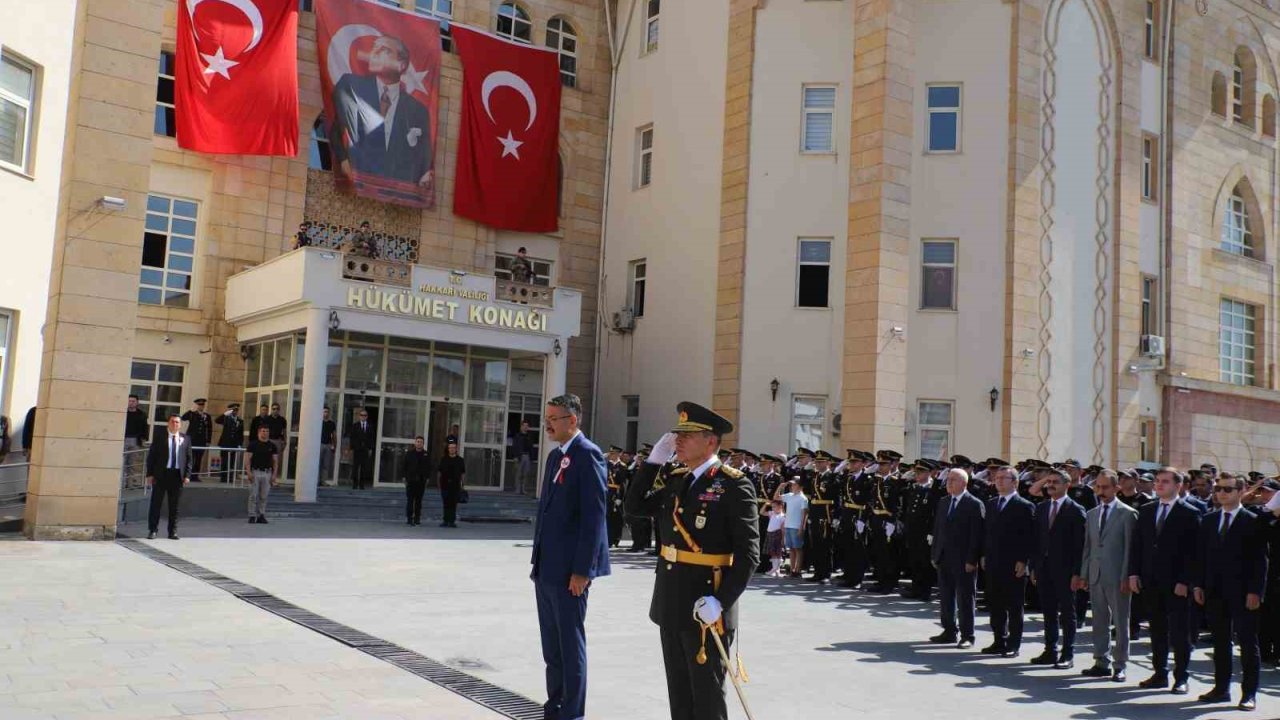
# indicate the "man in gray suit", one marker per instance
pixel 1104 572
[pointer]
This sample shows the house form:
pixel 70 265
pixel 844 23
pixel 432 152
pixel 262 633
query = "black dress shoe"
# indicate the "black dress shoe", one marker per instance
pixel 943 639
pixel 253 520
pixel 1157 681
pixel 174 536
pixel 151 535
pixel 993 649
pixel 1215 696
pixel 1179 688
pixel 1097 671
pixel 964 644
pixel 1248 703
pixel 1118 676
pixel 1011 652
pixel 1065 662
pixel 262 519
pixel 445 524
pixel 1048 657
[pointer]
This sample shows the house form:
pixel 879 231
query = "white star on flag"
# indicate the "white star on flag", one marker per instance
pixel 510 145
pixel 412 80
pixel 219 64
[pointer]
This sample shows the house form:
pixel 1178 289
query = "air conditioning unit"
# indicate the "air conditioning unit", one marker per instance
pixel 1152 346
pixel 624 320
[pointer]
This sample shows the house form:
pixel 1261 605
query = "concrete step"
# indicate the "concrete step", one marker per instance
pixel 388 504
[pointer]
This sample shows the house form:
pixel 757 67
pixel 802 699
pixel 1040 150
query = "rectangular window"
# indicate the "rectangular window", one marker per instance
pixel 813 278
pixel 1150 166
pixel 935 426
pixel 944 118
pixel 644 156
pixel 17 101
pixel 1237 341
pixel 1151 32
pixel 816 134
pixel 1150 306
pixel 159 389
pixel 1148 440
pixel 632 403
pixel 541 268
pixel 637 272
pixel 441 10
pixel 651 26
pixel 168 251
pixel 938 275
pixel 6 341
pixel 808 422
pixel 1237 93
pixel 165 122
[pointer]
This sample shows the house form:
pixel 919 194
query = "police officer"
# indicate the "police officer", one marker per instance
pixel 200 430
pixel 885 503
pixel 823 488
pixel 919 508
pixel 641 525
pixel 709 537
pixel 852 496
pixel 615 489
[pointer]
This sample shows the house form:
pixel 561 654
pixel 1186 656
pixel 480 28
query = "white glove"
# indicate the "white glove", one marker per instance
pixel 928 539
pixel 843 464
pixel 662 450
pixel 835 524
pixel 860 525
pixel 873 468
pixel 707 609
pixel 888 529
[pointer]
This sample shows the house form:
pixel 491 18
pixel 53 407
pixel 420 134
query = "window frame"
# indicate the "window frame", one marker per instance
pixel 1237 92
pixel 637 286
pixel 29 104
pixel 541 279
pixel 631 421
pixel 806 110
pixel 520 15
pixel 925 266
pixel 798 421
pixel 1148 439
pixel 644 174
pixel 319 146
pixel 171 130
pixel 166 271
pixel 802 263
pixel 156 423
pixel 1149 311
pixel 7 339
pixel 922 427
pixel 1151 31
pixel 564 30
pixel 930 111
pixel 1150 168
pixel 652 29
pixel 1247 343
pixel 1237 211
pixel 430 9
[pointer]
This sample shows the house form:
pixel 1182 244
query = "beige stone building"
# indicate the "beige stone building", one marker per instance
pixel 172 275
pixel 999 227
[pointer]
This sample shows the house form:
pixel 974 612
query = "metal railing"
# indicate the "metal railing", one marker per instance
pixel 133 472
pixel 13 483
pixel 525 293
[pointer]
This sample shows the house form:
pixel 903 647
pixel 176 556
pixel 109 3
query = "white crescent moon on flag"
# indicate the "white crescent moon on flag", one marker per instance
pixel 504 78
pixel 338 59
pixel 245 6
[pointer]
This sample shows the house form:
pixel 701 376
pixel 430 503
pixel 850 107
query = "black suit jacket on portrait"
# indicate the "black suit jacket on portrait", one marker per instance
pixel 1165 558
pixel 405 156
pixel 1058 550
pixel 158 455
pixel 958 539
pixel 1011 535
pixel 1233 565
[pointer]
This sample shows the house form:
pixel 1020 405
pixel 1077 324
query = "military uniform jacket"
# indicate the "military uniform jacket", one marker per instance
pixel 199 427
pixel 719 513
pixel 616 487
pixel 854 496
pixel 232 431
pixel 920 506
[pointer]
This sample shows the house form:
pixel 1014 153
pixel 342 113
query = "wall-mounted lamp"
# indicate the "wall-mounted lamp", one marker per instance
pixel 556 348
pixel 246 351
pixel 107 202
pixel 898 331
pixel 995 397
pixel 335 322
pixel 1028 353
pixel 773 388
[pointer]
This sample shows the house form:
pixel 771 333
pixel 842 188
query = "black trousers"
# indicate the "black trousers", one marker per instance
pixel 361 469
pixel 695 692
pixel 197 462
pixel 413 491
pixel 764 565
pixel 920 565
pixel 168 485
pixel 1058 603
pixel 641 532
pixel 1269 623
pixel 1170 619
pixel 819 548
pixel 449 498
pixel 1228 617
pixel 853 552
pixel 1005 597
pixel 229 466
pixel 884 554
pixel 957 590
pixel 613 521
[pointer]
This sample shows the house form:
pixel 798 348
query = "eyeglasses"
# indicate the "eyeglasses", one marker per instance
pixel 558 418
pixel 364 415
pixel 1221 489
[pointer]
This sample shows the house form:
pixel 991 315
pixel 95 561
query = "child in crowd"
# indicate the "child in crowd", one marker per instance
pixel 773 540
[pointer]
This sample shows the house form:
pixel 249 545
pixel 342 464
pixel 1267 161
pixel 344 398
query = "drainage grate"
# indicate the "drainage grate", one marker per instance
pixel 500 700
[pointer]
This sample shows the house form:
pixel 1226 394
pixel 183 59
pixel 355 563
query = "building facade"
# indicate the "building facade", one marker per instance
pixel 174 274
pixel 1025 228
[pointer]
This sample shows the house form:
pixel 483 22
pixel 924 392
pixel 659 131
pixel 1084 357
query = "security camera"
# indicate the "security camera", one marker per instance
pixel 111 203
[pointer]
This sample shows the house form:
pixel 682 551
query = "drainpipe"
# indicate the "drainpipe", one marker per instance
pixel 1164 236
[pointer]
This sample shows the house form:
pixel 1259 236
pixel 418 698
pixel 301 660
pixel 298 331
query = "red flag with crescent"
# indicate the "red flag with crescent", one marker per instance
pixel 236 76
pixel 508 153
pixel 380 78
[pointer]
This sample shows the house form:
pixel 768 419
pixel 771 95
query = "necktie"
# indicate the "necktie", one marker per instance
pixel 384 103
pixel 1102 526
pixel 1053 513
pixel 954 502
pixel 1164 512
pixel 1226 525
pixel 173 452
pixel 1000 508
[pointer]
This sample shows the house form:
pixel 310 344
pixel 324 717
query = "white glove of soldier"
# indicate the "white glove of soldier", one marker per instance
pixel 873 468
pixel 835 524
pixel 888 529
pixel 662 450
pixel 707 609
pixel 861 526
pixel 843 464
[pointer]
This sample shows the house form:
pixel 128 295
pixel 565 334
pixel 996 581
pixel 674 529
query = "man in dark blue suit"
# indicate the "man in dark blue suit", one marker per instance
pixel 1011 538
pixel 1161 562
pixel 1230 581
pixel 380 128
pixel 1059 548
pixel 957 547
pixel 570 547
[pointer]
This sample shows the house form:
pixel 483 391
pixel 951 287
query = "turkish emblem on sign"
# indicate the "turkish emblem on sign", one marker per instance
pixel 236 79
pixel 380 78
pixel 508 155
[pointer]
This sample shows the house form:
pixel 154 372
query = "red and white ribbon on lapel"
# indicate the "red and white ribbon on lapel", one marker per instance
pixel 564 464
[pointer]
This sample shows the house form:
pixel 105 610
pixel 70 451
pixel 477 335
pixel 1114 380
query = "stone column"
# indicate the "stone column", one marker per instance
pixel 314 364
pixel 876 280
pixel 88 330
pixel 553 384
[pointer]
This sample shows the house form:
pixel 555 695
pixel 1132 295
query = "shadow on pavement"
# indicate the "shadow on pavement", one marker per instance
pixel 312 529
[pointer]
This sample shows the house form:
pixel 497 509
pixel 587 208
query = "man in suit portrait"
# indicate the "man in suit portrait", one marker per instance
pixel 1104 572
pixel 1056 560
pixel 362 436
pixel 379 127
pixel 570 548
pixel 1161 562
pixel 1230 582
pixel 1010 537
pixel 957 547
pixel 168 471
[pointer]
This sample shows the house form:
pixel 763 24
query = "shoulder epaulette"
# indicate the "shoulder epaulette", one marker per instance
pixel 732 472
pixel 678 470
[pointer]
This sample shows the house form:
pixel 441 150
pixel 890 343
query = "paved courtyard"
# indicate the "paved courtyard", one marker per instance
pixel 99 631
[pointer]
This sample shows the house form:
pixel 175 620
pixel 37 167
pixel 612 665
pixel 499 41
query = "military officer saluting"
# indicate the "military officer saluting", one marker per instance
pixel 709 538
pixel 615 488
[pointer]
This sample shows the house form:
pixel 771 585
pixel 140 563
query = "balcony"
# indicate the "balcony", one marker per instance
pixel 386 272
pixel 524 293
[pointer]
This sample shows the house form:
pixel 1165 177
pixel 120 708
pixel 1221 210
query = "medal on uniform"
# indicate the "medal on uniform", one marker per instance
pixel 700 522
pixel 564 464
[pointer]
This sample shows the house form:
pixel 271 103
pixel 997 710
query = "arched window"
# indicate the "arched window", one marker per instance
pixel 1244 76
pixel 562 38
pixel 1237 226
pixel 514 23
pixel 319 158
pixel 1218 95
pixel 1269 115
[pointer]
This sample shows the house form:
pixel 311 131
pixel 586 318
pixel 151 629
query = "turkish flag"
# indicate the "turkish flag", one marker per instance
pixel 236 80
pixel 508 155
